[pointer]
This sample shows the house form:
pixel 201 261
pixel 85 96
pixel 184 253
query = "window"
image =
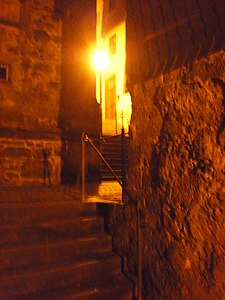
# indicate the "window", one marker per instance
pixel 112 45
pixel 4 72
pixel 10 12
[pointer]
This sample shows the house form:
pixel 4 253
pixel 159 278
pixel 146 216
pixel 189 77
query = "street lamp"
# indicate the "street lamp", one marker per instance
pixel 101 61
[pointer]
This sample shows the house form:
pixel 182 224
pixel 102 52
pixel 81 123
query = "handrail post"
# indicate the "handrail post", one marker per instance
pixel 87 139
pixel 122 116
pixel 116 121
pixel 123 160
pixel 83 166
pixel 139 251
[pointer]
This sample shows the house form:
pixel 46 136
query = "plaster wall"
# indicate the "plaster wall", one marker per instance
pixel 116 67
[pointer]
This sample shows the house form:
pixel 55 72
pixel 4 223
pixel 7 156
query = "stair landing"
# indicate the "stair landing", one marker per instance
pixel 108 191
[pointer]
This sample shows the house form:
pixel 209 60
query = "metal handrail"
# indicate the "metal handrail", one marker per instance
pixel 84 139
pixel 87 139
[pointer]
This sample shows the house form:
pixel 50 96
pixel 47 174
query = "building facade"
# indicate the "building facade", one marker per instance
pixel 47 90
pixel 111 37
pixel 30 62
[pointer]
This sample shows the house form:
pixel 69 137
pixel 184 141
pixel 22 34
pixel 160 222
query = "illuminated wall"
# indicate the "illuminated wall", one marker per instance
pixel 114 30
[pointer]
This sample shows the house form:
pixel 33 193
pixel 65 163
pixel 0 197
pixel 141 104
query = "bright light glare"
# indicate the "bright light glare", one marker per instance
pixel 101 60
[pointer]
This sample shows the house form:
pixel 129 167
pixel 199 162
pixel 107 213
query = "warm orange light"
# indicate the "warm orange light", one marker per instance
pixel 101 60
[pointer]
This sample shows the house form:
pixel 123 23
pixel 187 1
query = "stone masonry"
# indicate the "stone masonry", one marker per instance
pixel 22 161
pixel 176 77
pixel 30 47
pixel 177 172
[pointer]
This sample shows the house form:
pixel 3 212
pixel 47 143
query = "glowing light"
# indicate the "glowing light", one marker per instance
pixel 101 60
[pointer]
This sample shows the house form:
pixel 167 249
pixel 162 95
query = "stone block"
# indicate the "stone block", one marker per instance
pixel 24 165
pixel 11 152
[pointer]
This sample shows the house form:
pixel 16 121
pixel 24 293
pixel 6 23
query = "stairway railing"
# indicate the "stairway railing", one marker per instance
pixel 86 139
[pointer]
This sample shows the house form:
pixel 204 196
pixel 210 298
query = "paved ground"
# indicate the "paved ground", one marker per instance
pixel 105 192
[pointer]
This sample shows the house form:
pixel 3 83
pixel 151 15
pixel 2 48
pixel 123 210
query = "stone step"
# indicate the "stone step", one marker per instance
pixel 39 193
pixel 115 170
pixel 20 255
pixel 54 247
pixel 38 211
pixel 112 152
pixel 51 230
pixel 48 277
pixel 110 288
pixel 112 158
pixel 109 147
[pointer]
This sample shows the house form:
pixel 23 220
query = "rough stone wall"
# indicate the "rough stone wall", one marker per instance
pixel 30 44
pixel 33 51
pixel 22 161
pixel 177 172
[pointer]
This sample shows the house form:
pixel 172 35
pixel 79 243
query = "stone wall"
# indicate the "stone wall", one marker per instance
pixel 177 172
pixel 30 47
pixel 79 110
pixel 26 160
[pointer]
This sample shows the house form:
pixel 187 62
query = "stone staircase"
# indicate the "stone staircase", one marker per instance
pixel 111 149
pixel 54 247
